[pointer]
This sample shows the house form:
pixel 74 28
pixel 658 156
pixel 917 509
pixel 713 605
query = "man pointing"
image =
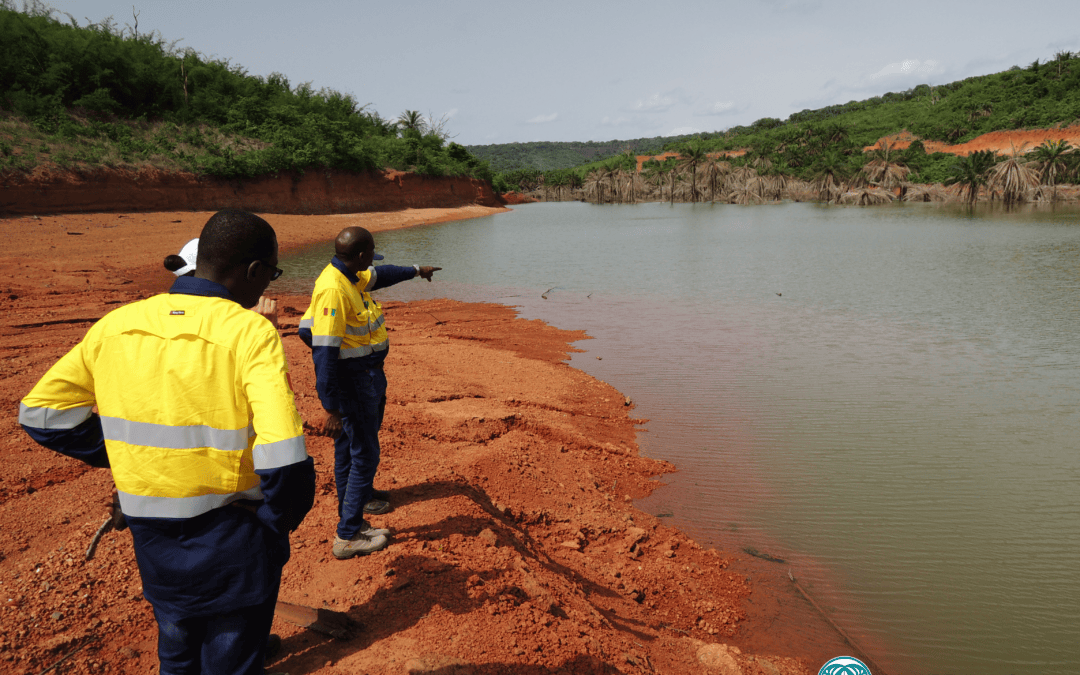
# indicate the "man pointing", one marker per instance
pixel 344 327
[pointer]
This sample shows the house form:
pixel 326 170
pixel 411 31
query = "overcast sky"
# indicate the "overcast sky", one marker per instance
pixel 579 70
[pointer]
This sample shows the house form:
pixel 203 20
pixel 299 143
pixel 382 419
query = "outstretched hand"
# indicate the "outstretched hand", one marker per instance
pixel 427 272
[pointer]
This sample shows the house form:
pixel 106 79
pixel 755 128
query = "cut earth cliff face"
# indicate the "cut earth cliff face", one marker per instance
pixel 314 192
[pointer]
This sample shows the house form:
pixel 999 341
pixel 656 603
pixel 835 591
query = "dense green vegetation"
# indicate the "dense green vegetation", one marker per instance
pixel 830 140
pixel 88 95
pixel 554 155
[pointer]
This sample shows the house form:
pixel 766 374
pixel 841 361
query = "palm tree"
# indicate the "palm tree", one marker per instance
pixel 1014 176
pixel 716 170
pixel 411 120
pixel 1049 157
pixel 970 172
pixel 831 170
pixel 884 168
pixel 692 155
pixel 654 174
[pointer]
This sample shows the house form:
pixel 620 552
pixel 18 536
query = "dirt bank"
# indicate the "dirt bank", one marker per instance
pixel 1001 142
pixel 516 550
pixel 48 190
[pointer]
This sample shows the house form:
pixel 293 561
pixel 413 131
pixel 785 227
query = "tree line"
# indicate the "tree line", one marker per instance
pixel 831 139
pixel 881 175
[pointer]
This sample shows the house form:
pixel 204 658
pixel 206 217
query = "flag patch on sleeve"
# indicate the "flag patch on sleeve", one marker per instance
pixel 329 312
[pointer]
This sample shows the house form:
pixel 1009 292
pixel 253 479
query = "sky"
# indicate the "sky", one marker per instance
pixel 555 70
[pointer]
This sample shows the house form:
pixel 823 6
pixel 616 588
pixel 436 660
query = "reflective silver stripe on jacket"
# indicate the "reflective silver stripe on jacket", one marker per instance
pixel 280 453
pixel 363 350
pixel 364 330
pixel 307 323
pixel 371 280
pixel 325 341
pixel 179 438
pixel 49 418
pixel 180 507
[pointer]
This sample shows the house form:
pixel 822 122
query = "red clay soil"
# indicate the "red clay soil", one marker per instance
pixel 512 198
pixel 50 190
pixel 1001 142
pixel 516 547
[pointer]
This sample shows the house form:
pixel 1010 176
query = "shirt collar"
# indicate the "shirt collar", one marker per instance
pixel 204 287
pixel 340 266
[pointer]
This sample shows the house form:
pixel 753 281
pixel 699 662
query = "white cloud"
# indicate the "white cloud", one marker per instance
pixel 615 121
pixel 543 119
pixel 909 67
pixel 718 108
pixel 653 104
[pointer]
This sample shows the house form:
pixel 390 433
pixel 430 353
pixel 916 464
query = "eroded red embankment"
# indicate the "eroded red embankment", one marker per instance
pixel 315 192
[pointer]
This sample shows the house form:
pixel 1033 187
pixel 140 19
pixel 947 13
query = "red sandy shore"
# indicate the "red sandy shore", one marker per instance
pixel 517 548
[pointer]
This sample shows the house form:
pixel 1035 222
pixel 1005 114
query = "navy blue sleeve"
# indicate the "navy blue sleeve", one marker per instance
pixel 388 275
pixel 288 494
pixel 326 376
pixel 86 442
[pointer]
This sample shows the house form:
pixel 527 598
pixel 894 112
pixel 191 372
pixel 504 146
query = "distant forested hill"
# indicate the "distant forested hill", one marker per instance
pixel 550 155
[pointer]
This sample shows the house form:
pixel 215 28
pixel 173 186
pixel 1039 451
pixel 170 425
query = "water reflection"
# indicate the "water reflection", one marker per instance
pixel 886 396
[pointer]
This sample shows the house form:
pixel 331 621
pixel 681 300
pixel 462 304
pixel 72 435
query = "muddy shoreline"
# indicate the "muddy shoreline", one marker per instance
pixel 517 547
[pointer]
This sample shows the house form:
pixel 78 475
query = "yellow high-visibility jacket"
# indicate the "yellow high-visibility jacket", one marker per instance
pixel 193 396
pixel 344 325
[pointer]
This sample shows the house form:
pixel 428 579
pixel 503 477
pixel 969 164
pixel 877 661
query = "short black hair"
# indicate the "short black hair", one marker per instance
pixel 174 262
pixel 232 238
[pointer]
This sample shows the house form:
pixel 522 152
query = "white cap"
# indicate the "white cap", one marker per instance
pixel 188 253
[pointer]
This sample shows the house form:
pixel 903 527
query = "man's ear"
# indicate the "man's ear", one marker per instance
pixel 252 270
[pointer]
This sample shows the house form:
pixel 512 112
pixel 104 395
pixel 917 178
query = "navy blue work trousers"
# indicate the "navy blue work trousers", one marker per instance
pixel 233 643
pixel 356 450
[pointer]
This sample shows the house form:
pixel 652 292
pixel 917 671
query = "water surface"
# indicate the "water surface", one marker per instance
pixel 887 397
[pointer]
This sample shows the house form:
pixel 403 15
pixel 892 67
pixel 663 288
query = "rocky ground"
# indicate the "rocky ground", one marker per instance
pixel 516 545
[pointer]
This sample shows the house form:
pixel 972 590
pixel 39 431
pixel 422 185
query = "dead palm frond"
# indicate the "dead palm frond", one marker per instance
pixel 745 193
pixel 926 193
pixel 867 196
pixel 884 169
pixel 1014 177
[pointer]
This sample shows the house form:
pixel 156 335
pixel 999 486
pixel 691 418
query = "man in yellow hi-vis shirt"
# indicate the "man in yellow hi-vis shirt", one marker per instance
pixel 197 422
pixel 344 327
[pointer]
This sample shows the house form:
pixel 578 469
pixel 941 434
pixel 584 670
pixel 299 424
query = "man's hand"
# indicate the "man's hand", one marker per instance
pixel 427 272
pixel 332 424
pixel 268 308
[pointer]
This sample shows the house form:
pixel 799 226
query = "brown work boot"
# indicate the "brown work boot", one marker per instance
pixel 361 544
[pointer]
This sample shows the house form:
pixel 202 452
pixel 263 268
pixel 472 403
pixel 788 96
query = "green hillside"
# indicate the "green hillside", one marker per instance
pixel 549 155
pixel 86 96
pixel 830 140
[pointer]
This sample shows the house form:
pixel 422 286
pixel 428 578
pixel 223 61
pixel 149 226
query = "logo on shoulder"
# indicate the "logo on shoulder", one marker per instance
pixel 177 312
pixel 329 312
pixel 844 665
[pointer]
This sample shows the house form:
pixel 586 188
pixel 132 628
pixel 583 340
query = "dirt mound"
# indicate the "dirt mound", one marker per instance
pixel 516 545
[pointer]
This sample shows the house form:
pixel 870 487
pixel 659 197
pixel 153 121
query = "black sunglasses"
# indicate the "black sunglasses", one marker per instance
pixel 276 274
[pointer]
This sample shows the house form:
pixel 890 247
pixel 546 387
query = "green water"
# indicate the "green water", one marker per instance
pixel 887 397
